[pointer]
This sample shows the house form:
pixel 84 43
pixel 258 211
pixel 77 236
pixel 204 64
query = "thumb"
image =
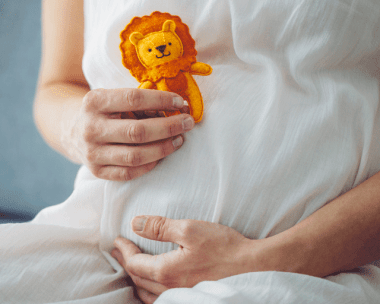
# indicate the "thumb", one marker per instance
pixel 160 229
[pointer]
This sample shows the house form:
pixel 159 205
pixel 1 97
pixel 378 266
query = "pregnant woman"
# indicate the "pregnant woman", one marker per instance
pixel 273 197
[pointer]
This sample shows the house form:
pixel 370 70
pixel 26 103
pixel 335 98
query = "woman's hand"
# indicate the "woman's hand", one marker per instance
pixel 207 251
pixel 106 137
pixel 342 235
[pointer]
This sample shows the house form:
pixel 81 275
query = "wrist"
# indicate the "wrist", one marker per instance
pixel 69 132
pixel 71 103
pixel 259 255
pixel 55 109
pixel 283 252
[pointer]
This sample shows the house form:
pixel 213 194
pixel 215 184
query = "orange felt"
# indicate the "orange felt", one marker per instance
pixel 148 30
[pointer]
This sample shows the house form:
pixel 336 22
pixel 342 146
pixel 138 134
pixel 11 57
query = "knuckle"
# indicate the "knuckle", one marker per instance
pixel 134 98
pixel 91 131
pixel 187 228
pixel 91 155
pixel 158 225
pixel 174 127
pixel 137 280
pixel 133 158
pixel 163 100
pixel 165 149
pixel 161 275
pixel 166 276
pixel 125 175
pixel 91 99
pixel 145 296
pixel 135 132
pixel 97 171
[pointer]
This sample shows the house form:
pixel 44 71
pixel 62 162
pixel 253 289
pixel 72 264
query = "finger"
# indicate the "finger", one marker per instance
pixel 146 296
pixel 132 156
pixel 126 100
pixel 157 268
pixel 129 250
pixel 118 173
pixel 152 287
pixel 163 229
pixel 142 131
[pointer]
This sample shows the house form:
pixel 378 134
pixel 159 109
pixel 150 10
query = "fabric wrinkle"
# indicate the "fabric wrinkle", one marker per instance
pixel 291 122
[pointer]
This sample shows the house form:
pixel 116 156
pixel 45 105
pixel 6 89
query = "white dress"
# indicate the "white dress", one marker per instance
pixel 291 121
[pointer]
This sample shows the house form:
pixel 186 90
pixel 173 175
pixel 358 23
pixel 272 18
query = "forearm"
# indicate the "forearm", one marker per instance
pixel 342 235
pixel 55 108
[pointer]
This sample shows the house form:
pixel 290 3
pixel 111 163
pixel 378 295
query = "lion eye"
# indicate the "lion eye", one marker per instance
pixel 170 43
pixel 149 50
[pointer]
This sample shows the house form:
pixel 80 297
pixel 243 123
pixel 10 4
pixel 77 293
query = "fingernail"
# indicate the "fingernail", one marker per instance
pixel 188 124
pixel 178 102
pixel 118 242
pixel 138 223
pixel 177 142
pixel 117 255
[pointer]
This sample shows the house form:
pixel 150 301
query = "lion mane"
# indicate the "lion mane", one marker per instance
pixel 149 24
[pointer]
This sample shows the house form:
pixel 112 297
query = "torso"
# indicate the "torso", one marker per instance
pixel 289 121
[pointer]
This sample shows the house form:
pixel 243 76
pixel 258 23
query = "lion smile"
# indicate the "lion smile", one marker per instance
pixel 163 55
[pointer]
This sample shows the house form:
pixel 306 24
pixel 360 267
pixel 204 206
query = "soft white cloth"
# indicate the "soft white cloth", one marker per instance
pixel 291 122
pixel 56 258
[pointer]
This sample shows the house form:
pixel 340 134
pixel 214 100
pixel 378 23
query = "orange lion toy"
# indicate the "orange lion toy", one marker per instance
pixel 160 53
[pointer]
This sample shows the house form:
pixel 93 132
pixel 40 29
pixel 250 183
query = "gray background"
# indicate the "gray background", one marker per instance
pixel 32 176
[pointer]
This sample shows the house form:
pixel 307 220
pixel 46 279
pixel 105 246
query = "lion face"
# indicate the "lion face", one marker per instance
pixel 157 29
pixel 158 47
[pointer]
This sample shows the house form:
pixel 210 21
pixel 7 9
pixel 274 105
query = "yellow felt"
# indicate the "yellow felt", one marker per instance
pixel 200 68
pixel 195 98
pixel 146 85
pixel 169 26
pixel 135 37
pixel 148 48
pixel 161 85
pixel 164 58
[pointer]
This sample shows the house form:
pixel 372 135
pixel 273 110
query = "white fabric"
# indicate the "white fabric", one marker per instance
pixel 291 122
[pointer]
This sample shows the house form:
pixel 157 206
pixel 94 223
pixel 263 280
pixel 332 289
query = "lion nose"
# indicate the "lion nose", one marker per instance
pixel 161 48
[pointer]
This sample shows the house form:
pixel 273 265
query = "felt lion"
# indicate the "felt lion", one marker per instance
pixel 159 52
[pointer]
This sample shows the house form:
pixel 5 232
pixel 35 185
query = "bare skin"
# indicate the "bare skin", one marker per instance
pixel 97 127
pixel 87 128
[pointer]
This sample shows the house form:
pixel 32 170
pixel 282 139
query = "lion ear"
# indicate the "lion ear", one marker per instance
pixel 135 37
pixel 169 26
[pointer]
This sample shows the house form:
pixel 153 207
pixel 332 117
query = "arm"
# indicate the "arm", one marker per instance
pixel 62 85
pixel 200 68
pixel 340 236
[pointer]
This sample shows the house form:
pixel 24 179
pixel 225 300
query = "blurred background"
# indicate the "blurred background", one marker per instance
pixel 32 176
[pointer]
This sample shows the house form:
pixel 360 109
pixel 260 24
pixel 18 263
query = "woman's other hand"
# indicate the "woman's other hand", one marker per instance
pixel 106 137
pixel 207 251
pixel 341 236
